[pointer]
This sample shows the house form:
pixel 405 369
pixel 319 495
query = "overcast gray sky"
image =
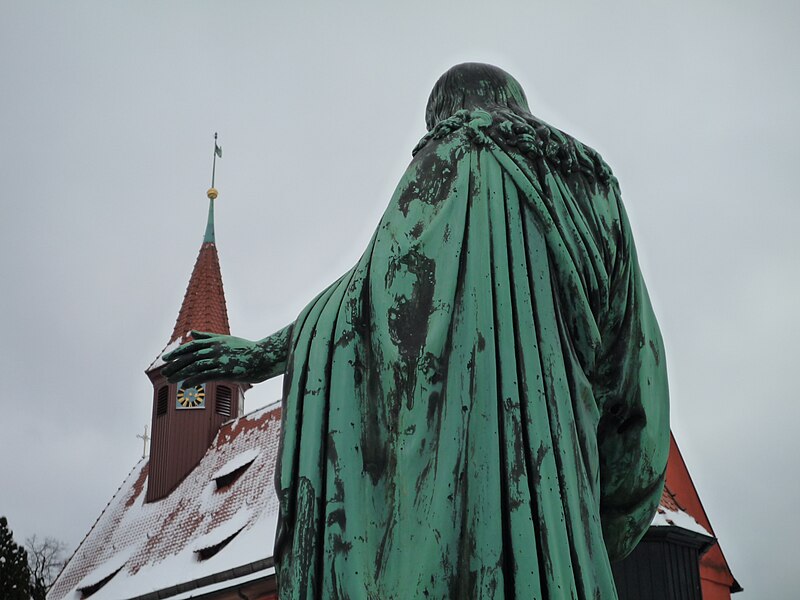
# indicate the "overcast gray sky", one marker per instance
pixel 107 113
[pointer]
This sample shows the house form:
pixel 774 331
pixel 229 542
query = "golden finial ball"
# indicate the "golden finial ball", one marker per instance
pixel 212 194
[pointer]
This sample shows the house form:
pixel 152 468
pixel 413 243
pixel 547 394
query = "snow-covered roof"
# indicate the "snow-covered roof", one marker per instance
pixel 202 528
pixel 173 345
pixel 672 514
pixel 145 547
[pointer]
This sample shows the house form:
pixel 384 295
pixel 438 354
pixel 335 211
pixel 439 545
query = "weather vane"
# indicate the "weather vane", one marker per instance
pixel 217 152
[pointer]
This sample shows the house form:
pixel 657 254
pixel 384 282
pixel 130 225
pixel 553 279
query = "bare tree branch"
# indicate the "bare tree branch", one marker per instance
pixel 45 559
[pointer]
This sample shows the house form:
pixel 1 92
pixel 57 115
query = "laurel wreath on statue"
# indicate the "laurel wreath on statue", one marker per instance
pixel 529 136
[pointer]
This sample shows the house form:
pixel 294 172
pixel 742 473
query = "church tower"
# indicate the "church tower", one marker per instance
pixel 186 419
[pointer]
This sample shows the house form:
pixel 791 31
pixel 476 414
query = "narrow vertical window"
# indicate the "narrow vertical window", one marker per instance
pixel 223 403
pixel 161 403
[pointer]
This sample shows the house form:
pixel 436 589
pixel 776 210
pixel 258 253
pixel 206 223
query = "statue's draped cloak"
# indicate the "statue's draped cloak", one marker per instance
pixel 478 409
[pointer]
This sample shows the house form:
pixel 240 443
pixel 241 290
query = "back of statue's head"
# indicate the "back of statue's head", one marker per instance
pixel 473 85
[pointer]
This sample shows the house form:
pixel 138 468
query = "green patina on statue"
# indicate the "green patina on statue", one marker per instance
pixel 479 408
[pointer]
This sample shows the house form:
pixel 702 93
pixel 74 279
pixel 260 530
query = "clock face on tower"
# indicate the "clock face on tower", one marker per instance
pixel 191 397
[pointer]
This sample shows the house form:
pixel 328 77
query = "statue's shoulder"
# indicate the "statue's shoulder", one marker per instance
pixel 537 140
pixel 443 129
pixel 520 133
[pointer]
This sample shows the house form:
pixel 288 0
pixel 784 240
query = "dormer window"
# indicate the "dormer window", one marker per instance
pixel 234 468
pixel 221 535
pixel 90 590
pixel 227 480
pixel 209 551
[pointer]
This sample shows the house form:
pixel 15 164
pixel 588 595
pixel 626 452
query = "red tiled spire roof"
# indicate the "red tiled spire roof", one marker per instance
pixel 203 307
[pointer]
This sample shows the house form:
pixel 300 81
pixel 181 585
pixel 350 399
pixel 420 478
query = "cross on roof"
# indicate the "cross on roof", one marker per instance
pixel 145 438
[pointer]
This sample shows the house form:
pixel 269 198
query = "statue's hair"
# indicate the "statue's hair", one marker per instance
pixel 473 85
pixel 493 101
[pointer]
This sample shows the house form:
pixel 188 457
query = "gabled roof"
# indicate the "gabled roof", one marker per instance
pixel 680 506
pixel 221 517
pixel 203 307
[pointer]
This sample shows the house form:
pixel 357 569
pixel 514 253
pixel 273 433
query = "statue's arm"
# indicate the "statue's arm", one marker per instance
pixel 632 394
pixel 210 357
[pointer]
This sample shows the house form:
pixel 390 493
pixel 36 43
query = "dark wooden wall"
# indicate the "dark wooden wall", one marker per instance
pixel 664 566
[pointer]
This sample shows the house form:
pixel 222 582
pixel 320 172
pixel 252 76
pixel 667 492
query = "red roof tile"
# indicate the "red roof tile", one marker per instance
pixel 203 307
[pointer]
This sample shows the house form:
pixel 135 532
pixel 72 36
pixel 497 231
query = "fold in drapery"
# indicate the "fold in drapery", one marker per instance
pixel 481 401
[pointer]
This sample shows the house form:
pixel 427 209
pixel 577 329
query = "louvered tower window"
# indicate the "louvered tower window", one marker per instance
pixel 161 403
pixel 223 402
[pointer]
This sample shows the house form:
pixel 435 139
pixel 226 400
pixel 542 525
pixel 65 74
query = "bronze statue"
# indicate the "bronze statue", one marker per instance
pixel 478 408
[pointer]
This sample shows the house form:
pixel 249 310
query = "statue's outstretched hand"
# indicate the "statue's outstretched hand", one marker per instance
pixel 212 357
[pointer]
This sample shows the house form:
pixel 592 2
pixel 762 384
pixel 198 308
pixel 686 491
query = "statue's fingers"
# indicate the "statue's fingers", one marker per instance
pixel 176 363
pixel 211 374
pixel 195 380
pixel 185 349
pixel 203 372
pixel 185 367
pixel 202 335
pixel 189 348
pixel 168 370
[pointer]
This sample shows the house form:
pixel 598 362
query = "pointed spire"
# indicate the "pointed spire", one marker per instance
pixel 203 307
pixel 209 236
